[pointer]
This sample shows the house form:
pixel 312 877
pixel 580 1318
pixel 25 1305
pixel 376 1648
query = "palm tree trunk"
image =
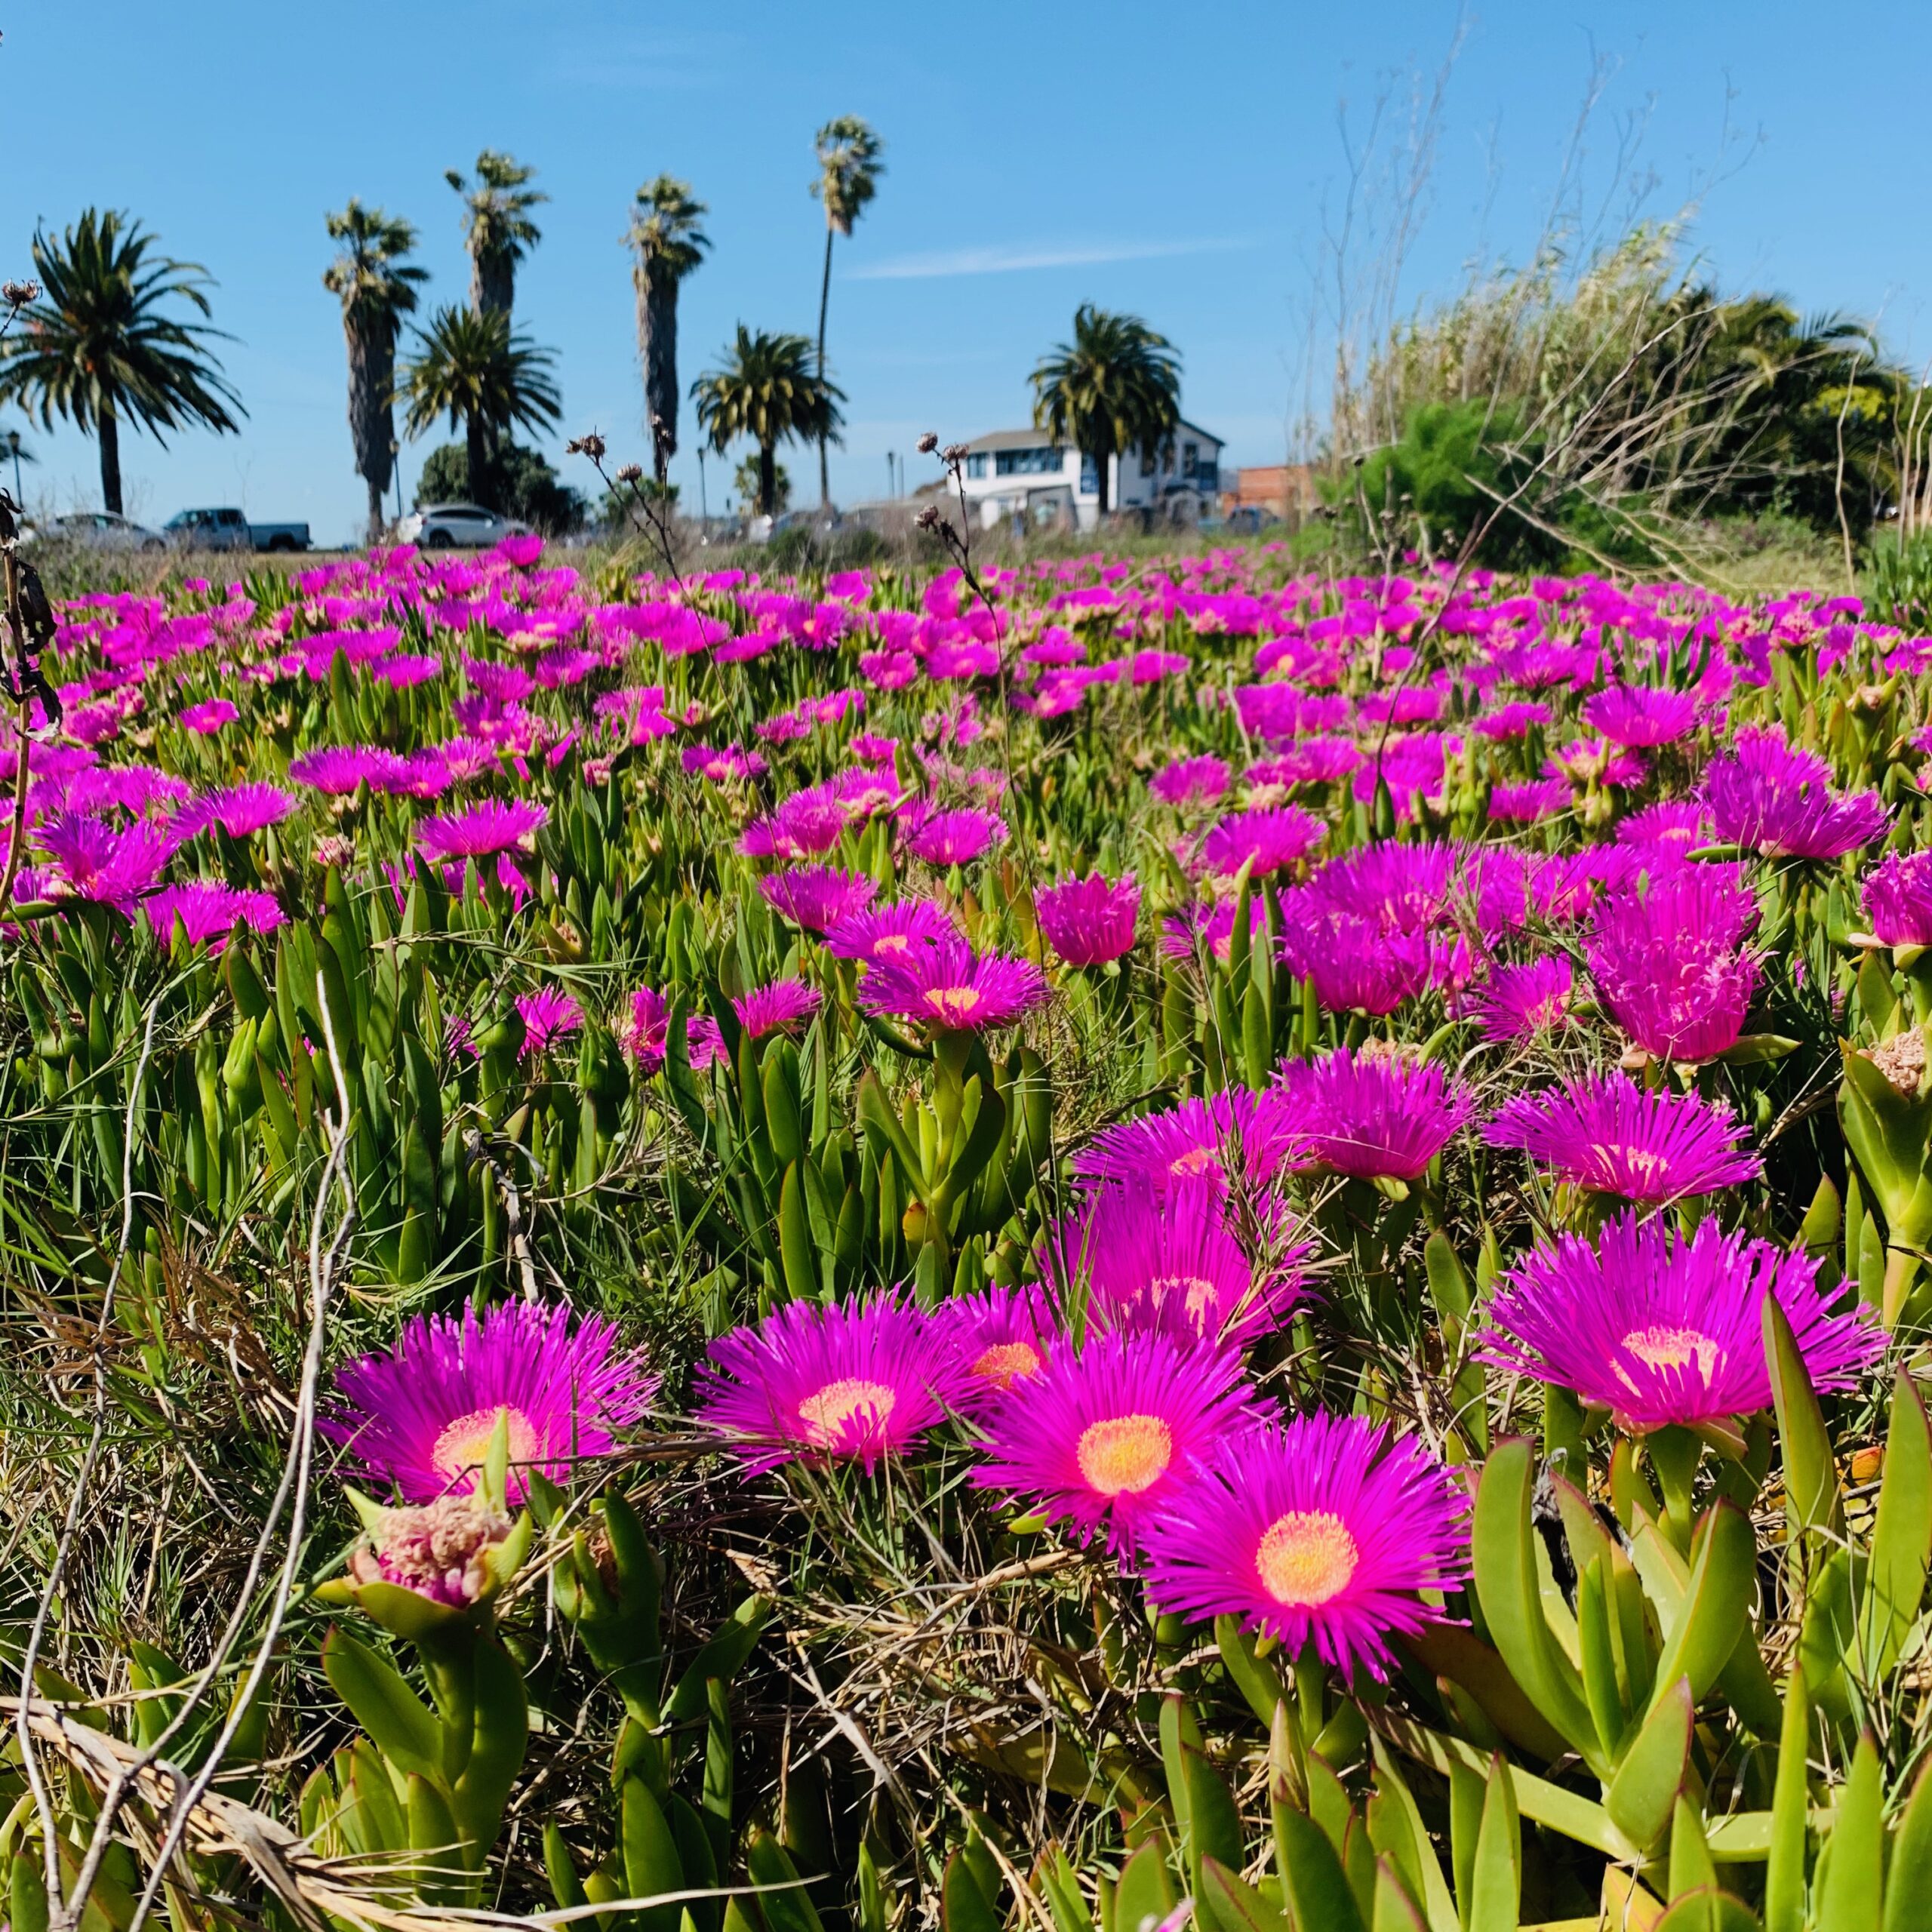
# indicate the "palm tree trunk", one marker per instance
pixel 371 419
pixel 108 427
pixel 1101 479
pixel 657 345
pixel 767 479
pixel 476 451
pixel 824 299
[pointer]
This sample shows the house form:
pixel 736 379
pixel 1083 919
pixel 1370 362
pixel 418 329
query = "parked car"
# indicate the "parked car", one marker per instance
pixel 97 530
pixel 229 530
pixel 458 526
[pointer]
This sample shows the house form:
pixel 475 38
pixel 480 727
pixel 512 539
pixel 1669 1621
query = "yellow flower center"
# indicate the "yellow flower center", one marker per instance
pixel 1643 1166
pixel 1125 1454
pixel 1306 1557
pixel 823 1415
pixel 953 1004
pixel 1660 1347
pixel 1196 1162
pixel 1196 1292
pixel 890 943
pixel 459 1453
pixel 1006 1363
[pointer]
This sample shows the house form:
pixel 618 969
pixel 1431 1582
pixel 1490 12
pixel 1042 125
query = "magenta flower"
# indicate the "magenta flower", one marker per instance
pixel 95 860
pixel 338 770
pixel 1354 965
pixel 1604 1133
pixel 1190 781
pixel 421 1417
pixel 492 825
pixel 239 810
pixel 1770 799
pixel 805 825
pixel 817 898
pixel 1087 921
pixel 647 1029
pixel 1320 1532
pixel 1210 922
pixel 885 933
pixel 776 1007
pixel 1639 717
pixel 1898 899
pixel 950 988
pixel 1525 804
pixel 1666 830
pixel 1664 1330
pixel 1666 961
pixel 851 1382
pixel 1169 1263
pixel 1102 1439
pixel 208 911
pixel 549 1014
pixel 1201 1141
pixel 207 718
pixel 1514 1002
pixel 1270 840
pixel 704 1042
pixel 956 838
pixel 1384 1116
pixel 1002 1336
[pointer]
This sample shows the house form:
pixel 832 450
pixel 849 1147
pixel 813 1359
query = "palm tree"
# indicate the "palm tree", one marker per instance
pixel 377 289
pixel 473 371
pixel 1115 387
pixel 497 230
pixel 848 171
pixel 96 347
pixel 669 243
pixel 767 390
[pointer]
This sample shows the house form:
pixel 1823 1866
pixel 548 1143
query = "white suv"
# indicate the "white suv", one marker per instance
pixel 457 526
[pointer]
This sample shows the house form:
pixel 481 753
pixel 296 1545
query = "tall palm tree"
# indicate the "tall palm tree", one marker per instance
pixel 497 230
pixel 1115 387
pixel 97 348
pixel 473 371
pixel 668 244
pixel 848 171
pixel 377 289
pixel 767 390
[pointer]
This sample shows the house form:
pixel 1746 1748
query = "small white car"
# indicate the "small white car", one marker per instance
pixel 457 526
pixel 95 530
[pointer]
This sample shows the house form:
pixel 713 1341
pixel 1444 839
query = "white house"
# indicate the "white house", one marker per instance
pixel 1018 474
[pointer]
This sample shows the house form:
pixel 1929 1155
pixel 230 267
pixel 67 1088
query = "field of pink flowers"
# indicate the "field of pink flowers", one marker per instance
pixel 1137 1243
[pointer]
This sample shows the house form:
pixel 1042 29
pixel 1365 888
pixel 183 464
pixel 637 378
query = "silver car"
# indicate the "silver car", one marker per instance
pixel 95 530
pixel 457 526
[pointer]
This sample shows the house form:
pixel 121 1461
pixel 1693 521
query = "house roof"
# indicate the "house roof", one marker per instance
pixel 1034 439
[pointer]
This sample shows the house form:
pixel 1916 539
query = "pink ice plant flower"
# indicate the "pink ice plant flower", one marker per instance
pixel 817 898
pixel 421 1415
pixel 1383 1116
pixel 885 933
pixel 1667 961
pixel 1324 1532
pixel 1604 1133
pixel 776 1008
pixel 948 987
pixel 1267 840
pixel 1769 797
pixel 1516 1000
pixel 1199 1142
pixel 1665 1329
pixel 208 910
pixel 1104 1436
pixel 1089 921
pixel 855 1382
pixel 490 826
pixel 1171 1261
pixel 1898 899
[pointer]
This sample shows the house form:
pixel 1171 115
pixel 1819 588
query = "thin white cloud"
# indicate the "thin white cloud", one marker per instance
pixel 1043 255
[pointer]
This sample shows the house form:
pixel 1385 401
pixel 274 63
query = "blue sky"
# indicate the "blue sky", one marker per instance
pixel 1184 163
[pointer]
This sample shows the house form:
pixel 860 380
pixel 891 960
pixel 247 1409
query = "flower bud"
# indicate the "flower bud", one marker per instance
pixel 928 443
pixel 439 1550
